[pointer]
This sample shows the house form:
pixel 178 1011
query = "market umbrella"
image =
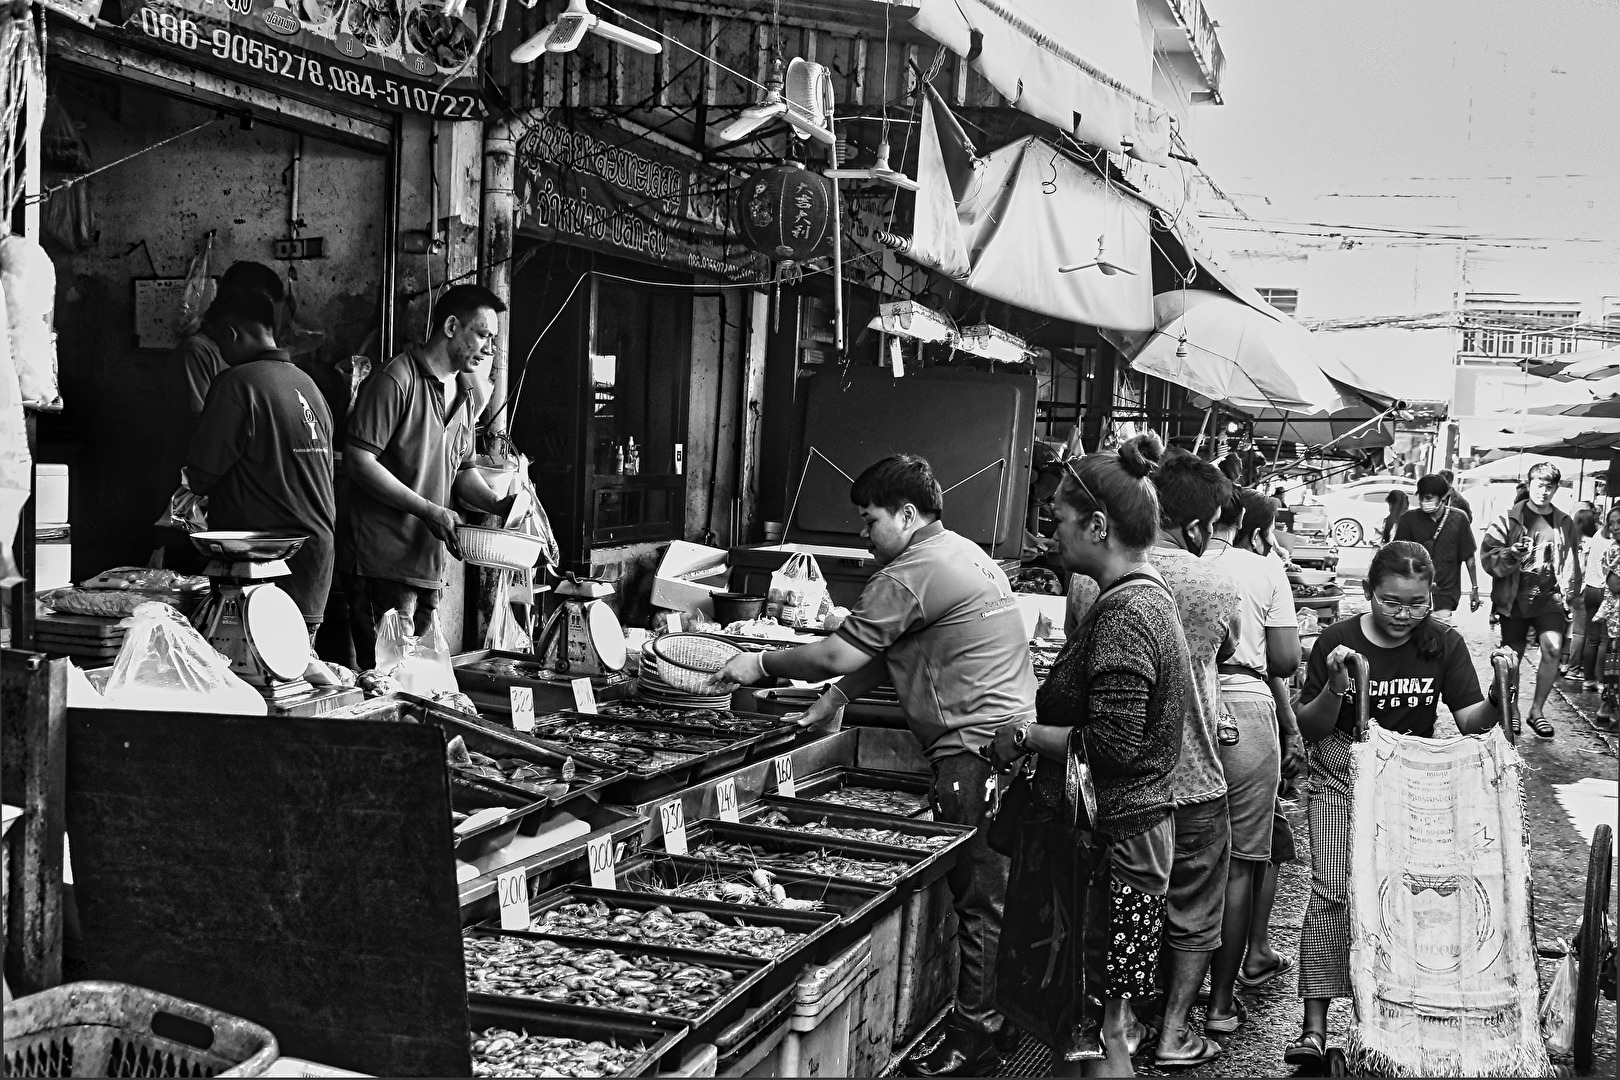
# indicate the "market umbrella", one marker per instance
pixel 1587 364
pixel 1532 433
pixel 1229 352
pixel 1604 408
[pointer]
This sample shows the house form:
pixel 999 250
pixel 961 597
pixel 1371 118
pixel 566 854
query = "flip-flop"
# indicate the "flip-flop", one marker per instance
pixel 1284 966
pixel 1140 1037
pixel 1226 1025
pixel 1541 726
pixel 1308 1050
pixel 1208 1050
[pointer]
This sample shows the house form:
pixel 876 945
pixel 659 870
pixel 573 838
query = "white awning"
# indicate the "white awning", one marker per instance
pixel 1080 65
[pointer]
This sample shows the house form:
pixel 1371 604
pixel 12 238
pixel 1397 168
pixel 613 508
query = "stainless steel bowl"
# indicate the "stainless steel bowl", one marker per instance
pixel 247 546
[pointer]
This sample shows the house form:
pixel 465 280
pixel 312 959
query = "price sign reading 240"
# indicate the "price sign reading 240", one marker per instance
pixel 229 45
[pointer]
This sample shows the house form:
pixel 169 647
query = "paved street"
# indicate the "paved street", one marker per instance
pixel 1559 854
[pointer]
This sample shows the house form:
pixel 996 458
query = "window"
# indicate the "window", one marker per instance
pixel 1284 300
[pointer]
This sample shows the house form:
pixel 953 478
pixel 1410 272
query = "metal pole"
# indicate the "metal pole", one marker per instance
pixel 496 227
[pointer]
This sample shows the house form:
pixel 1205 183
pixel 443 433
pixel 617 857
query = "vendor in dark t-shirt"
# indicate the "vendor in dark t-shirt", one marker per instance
pixel 262 452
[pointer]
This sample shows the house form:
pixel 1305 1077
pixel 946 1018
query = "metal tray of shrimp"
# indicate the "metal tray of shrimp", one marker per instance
pixel 845 823
pixel 707 991
pixel 638 1045
pixel 718 841
pixel 589 779
pixel 874 790
pixel 731 749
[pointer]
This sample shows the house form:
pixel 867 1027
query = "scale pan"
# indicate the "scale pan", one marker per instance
pixel 275 627
pixel 250 546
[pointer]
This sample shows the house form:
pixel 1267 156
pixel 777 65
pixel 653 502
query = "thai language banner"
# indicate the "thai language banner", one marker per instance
pixel 604 188
pixel 389 54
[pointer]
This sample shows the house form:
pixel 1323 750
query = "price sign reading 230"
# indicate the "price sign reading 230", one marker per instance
pixel 223 43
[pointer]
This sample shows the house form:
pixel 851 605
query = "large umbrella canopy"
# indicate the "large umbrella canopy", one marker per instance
pixel 1603 408
pixel 1586 364
pixel 1231 353
pixel 1534 433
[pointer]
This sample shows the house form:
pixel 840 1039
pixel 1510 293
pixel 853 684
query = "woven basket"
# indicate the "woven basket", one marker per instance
pixel 501 549
pixel 687 661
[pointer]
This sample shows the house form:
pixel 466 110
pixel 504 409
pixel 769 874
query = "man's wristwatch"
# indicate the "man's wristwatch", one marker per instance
pixel 1021 734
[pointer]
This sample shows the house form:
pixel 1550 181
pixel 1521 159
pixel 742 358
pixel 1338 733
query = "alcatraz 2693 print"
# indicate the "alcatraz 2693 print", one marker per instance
pixel 389 54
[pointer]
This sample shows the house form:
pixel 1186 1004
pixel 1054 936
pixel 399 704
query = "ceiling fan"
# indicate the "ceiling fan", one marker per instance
pixel 880 170
pixel 1100 262
pixel 567 30
pixel 801 95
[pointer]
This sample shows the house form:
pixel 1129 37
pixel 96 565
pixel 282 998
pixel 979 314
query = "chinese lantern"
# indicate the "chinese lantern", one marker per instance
pixel 786 212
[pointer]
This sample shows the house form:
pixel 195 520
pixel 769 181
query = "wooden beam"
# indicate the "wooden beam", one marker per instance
pixel 33 760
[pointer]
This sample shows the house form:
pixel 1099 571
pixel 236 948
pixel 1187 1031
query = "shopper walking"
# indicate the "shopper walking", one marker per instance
pixel 409 455
pixel 1191 493
pixel 1594 536
pixel 1609 618
pixel 1112 703
pixel 1446 533
pixel 1534 556
pixel 1249 738
pixel 940 620
pixel 1403 648
pixel 1595 565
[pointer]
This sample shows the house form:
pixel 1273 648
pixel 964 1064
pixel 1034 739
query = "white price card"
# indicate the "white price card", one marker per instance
pixel 522 708
pixel 725 793
pixel 784 777
pixel 672 621
pixel 673 818
pixel 584 695
pixel 512 889
pixel 600 853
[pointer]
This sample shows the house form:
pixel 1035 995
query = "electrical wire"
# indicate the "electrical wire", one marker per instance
pixel 44 196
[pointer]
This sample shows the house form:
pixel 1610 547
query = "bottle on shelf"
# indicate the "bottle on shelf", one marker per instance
pixel 618 460
pixel 632 458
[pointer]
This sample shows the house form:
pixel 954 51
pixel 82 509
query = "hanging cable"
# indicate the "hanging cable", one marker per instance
pixel 44 196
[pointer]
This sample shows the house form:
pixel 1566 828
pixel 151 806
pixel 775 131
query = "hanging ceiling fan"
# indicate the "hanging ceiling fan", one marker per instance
pixel 1100 262
pixel 880 170
pixel 801 95
pixel 567 30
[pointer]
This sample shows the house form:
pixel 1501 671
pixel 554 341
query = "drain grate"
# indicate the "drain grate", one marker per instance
pixel 1032 1058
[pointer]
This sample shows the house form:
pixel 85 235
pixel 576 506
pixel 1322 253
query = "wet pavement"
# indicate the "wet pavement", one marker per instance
pixel 1559 856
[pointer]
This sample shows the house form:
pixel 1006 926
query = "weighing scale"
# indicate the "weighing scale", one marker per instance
pixel 247 618
pixel 583 636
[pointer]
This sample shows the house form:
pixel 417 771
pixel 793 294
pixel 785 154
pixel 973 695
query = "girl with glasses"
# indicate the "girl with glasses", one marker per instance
pixel 1414 663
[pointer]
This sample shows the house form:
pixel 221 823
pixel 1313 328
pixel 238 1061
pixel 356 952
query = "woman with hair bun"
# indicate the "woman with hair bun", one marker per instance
pixel 1086 945
pixel 1414 663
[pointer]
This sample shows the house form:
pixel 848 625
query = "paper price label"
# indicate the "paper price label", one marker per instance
pixel 512 889
pixel 673 817
pixel 522 708
pixel 600 854
pixel 784 777
pixel 584 695
pixel 672 622
pixel 725 793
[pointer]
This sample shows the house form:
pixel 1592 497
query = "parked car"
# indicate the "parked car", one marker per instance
pixel 1356 512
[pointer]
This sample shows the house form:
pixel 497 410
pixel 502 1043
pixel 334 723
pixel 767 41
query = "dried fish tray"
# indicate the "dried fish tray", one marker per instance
pixel 907 792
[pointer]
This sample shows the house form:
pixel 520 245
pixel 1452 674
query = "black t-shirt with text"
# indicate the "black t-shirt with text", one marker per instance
pixel 1405 688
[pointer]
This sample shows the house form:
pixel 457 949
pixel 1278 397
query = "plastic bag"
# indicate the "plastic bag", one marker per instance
pixel 506 633
pixel 16 464
pixel 29 280
pixel 798 594
pixel 1558 1007
pixel 166 665
pixel 187 510
pixel 421 665
pixel 508 474
pixel 198 293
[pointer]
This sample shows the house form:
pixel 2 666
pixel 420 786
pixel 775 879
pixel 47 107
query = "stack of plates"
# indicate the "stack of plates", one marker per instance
pixel 654 689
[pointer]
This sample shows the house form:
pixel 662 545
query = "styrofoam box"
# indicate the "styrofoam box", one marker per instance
pixel 50 494
pixel 683 558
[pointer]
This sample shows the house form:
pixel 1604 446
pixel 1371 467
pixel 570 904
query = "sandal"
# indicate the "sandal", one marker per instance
pixel 1255 982
pixel 1307 1051
pixel 1226 1025
pixel 1140 1037
pixel 1540 725
pixel 1207 1050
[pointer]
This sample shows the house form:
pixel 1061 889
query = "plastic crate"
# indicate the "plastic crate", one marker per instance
pixel 112 1029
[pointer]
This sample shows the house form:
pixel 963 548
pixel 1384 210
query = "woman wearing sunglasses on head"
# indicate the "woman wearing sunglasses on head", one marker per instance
pixel 1414 663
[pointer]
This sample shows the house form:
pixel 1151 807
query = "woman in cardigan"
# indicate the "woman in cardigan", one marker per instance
pixel 1114 701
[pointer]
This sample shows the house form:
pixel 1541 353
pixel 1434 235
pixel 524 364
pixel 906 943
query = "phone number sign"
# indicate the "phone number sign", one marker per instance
pixel 389 54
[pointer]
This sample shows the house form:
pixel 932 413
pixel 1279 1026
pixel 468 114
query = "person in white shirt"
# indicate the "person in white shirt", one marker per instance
pixel 1588 638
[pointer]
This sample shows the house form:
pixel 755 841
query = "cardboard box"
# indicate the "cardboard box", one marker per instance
pixel 689 576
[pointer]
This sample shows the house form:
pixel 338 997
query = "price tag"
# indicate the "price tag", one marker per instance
pixel 672 621
pixel 600 853
pixel 522 708
pixel 725 792
pixel 784 777
pixel 584 695
pixel 674 820
pixel 512 888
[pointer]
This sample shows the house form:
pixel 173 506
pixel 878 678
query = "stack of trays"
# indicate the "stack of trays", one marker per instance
pixel 93 638
pixel 653 688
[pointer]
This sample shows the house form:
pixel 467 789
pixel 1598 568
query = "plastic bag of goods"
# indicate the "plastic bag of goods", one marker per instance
pixel 16 464
pixel 198 292
pixel 798 594
pixel 29 281
pixel 506 632
pixel 1558 1007
pixel 420 664
pixel 187 511
pixel 166 665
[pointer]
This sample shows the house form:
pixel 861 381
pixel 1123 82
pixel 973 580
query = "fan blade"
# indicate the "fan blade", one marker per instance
pixel 620 36
pixel 1077 266
pixel 751 120
pixel 898 179
pixel 535 47
pixel 1114 268
pixel 808 128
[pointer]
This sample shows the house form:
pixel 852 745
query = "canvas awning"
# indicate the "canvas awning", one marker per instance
pixel 1586 364
pixel 1080 65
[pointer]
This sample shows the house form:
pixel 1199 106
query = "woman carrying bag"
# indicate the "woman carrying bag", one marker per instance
pixel 1090 833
